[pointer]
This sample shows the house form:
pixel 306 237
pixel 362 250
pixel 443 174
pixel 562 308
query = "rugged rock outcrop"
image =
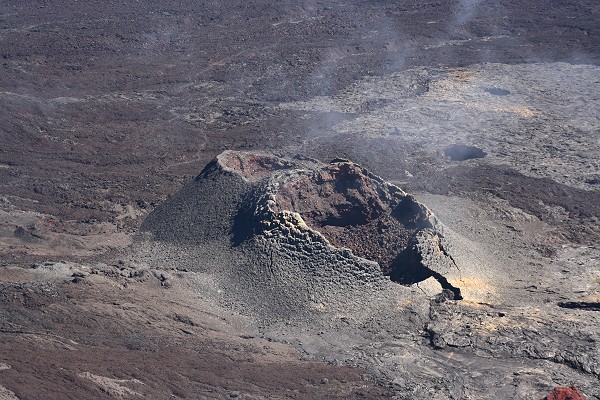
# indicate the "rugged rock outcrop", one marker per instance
pixel 294 229
pixel 565 393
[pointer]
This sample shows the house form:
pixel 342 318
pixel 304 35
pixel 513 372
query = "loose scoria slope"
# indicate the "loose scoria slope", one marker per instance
pixel 279 236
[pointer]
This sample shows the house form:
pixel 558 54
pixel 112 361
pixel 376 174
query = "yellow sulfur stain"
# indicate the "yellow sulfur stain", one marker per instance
pixel 474 289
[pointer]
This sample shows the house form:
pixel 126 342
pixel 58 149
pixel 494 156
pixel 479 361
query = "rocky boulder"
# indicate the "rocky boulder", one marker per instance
pixel 565 393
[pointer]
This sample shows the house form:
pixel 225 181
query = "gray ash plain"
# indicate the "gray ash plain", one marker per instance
pixel 485 112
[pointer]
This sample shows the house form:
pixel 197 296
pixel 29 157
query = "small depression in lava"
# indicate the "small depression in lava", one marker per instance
pixel 461 152
pixel 497 91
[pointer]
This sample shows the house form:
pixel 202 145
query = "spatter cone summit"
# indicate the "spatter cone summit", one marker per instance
pixel 290 230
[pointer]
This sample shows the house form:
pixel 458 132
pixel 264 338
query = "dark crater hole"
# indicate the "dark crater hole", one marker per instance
pixel 497 91
pixel 461 152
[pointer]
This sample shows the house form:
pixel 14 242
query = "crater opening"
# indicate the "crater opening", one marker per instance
pixel 351 210
pixel 497 91
pixel 461 152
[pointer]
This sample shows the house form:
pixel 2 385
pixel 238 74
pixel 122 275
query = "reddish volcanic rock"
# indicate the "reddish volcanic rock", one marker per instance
pixel 565 393
pixel 348 205
pixel 353 209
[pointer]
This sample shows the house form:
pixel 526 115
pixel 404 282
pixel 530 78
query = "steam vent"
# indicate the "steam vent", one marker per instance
pixel 290 230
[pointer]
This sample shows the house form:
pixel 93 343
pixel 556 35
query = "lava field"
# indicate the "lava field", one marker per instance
pixel 313 199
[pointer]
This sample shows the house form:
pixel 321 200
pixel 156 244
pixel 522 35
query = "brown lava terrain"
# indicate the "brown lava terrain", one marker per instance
pixel 125 274
pixel 344 205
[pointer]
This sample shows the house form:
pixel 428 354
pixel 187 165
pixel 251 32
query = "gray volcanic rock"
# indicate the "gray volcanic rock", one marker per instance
pixel 284 235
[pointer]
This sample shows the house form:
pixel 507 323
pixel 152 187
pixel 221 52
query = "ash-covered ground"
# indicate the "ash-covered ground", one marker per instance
pixel 484 113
